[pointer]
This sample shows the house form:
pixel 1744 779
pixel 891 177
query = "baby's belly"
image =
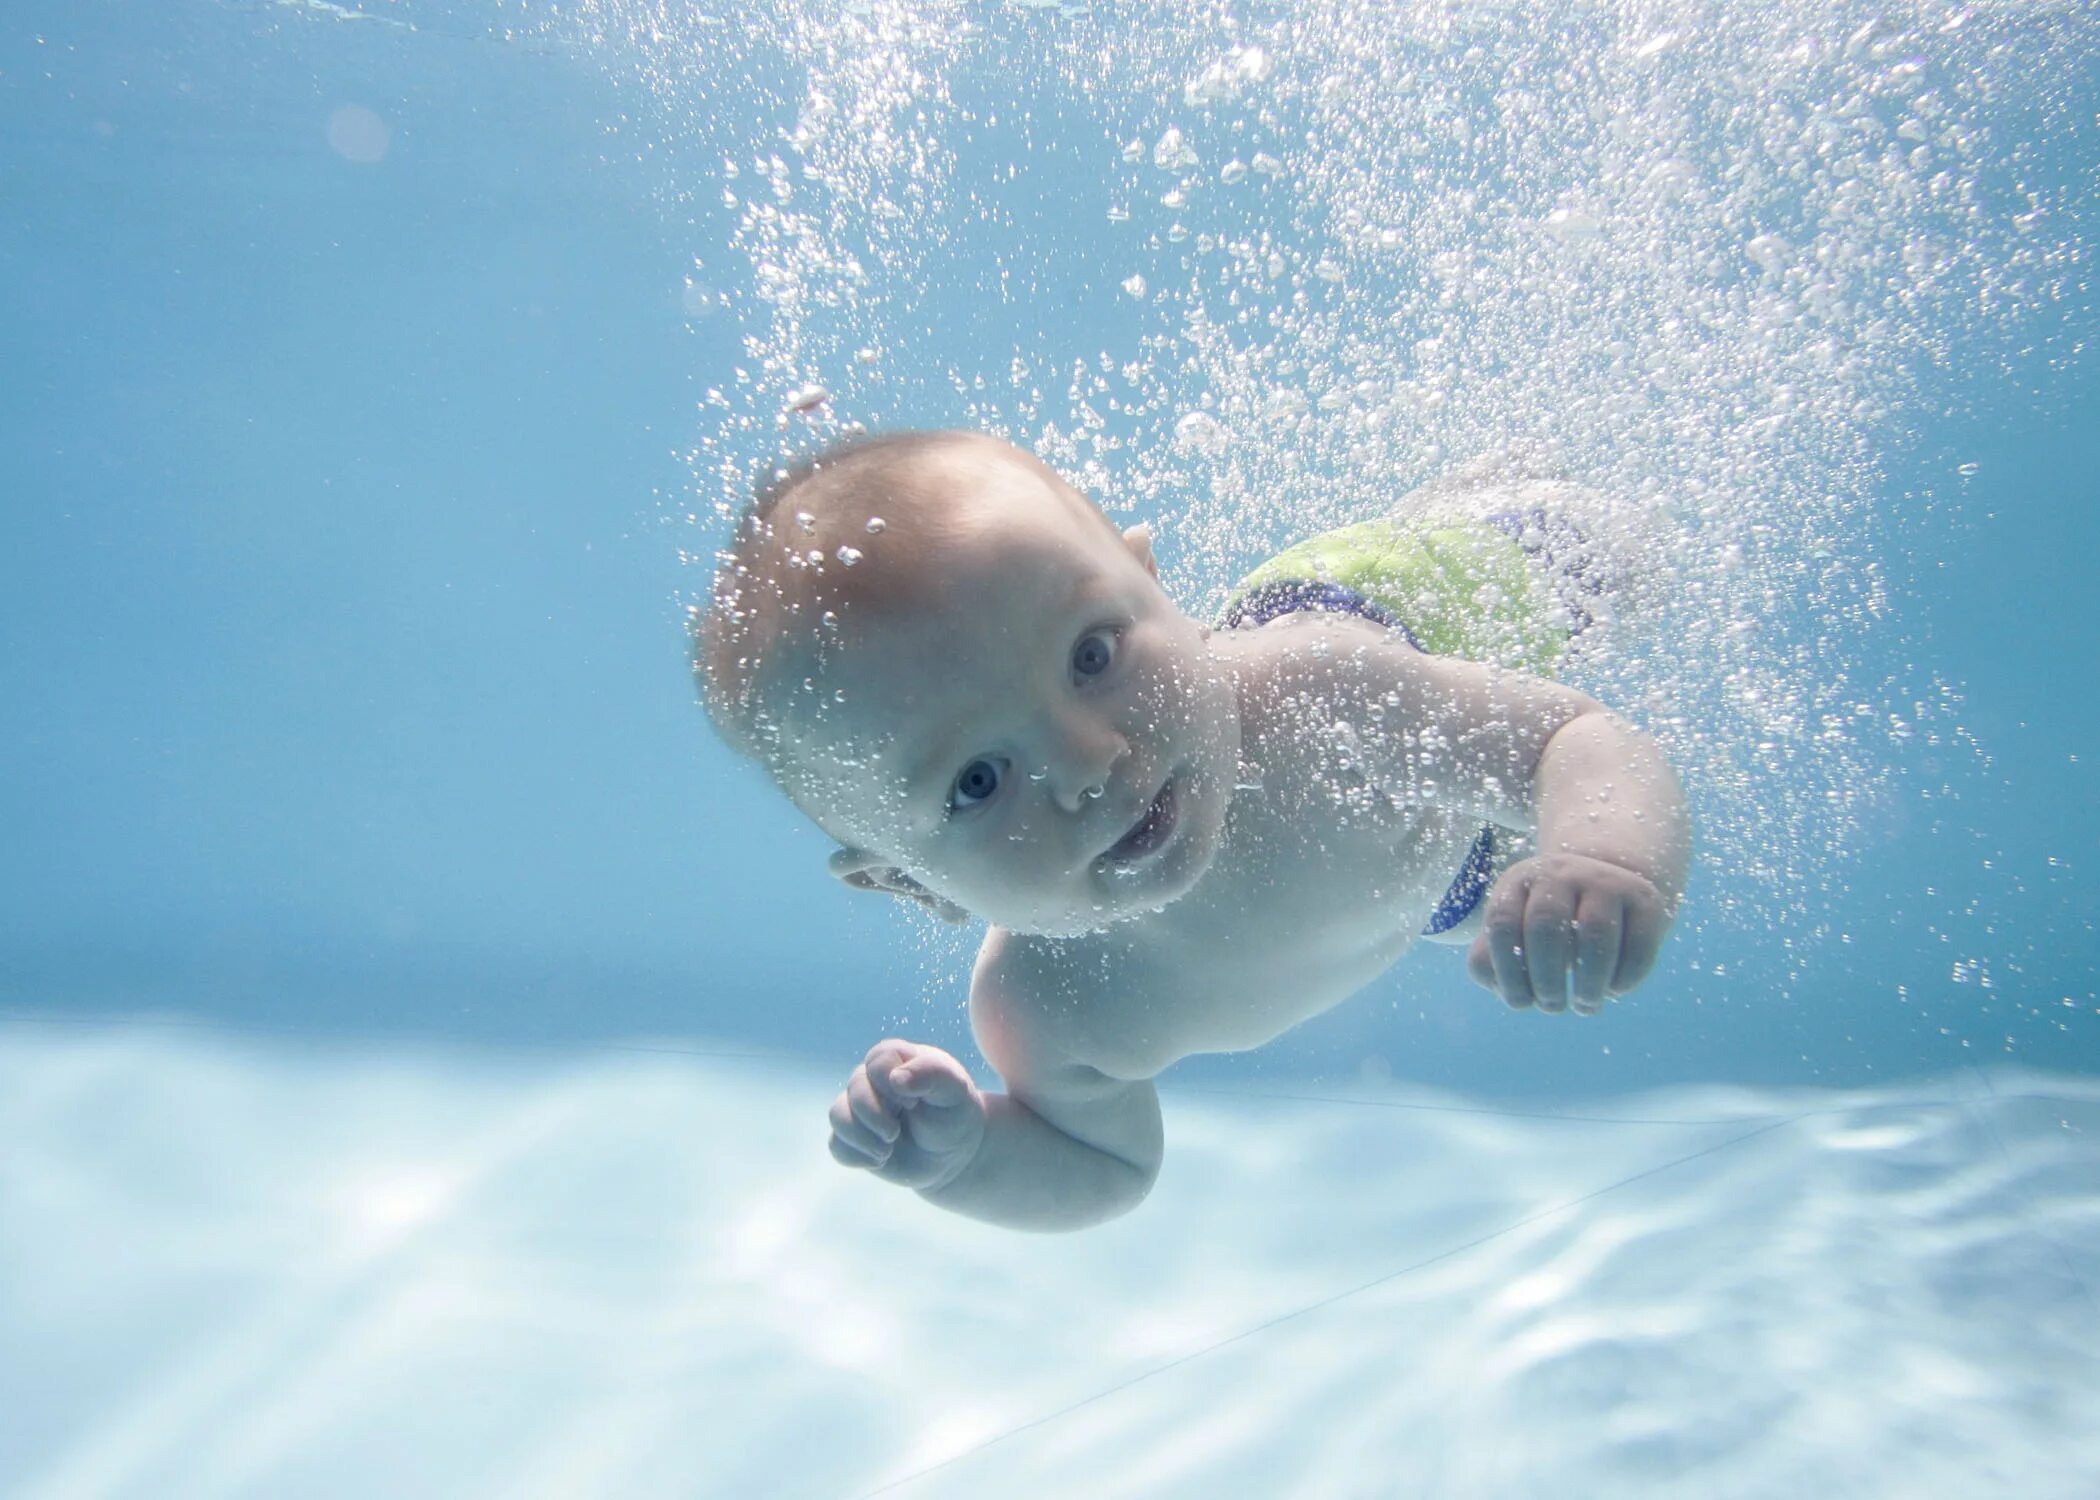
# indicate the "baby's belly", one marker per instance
pixel 1320 930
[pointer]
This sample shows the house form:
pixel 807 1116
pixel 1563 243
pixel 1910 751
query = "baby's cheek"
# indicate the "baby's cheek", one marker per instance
pixel 1168 697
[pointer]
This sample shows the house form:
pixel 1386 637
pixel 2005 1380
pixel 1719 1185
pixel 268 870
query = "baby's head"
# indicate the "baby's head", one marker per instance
pixel 955 664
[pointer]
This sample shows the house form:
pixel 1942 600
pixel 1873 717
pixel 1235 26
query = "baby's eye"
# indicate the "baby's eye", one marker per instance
pixel 976 782
pixel 1095 651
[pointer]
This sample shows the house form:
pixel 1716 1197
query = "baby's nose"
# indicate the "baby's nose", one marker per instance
pixel 1083 757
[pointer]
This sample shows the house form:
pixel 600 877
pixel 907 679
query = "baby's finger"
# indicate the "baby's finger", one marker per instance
pixel 1599 929
pixel 1497 959
pixel 1478 965
pixel 1636 957
pixel 869 1110
pixel 851 1153
pixel 1549 944
pixel 1505 945
pixel 890 1052
pixel 929 1082
pixel 852 1143
pixel 1646 925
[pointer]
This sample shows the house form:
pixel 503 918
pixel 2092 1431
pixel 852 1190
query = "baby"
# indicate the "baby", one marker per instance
pixel 1185 839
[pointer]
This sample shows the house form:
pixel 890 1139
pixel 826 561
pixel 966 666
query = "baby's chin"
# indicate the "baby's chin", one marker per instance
pixel 1113 911
pixel 1118 901
pixel 1104 918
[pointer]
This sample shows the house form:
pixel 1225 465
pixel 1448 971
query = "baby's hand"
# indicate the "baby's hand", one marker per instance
pixel 1562 927
pixel 910 1114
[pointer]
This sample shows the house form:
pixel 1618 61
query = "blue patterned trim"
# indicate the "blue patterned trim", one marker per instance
pixel 1566 552
pixel 1290 595
pixel 1472 884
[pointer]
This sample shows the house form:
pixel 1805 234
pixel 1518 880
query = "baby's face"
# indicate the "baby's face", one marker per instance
pixel 1009 709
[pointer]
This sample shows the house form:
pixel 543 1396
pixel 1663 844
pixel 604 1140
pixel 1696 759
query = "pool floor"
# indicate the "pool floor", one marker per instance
pixel 243 1266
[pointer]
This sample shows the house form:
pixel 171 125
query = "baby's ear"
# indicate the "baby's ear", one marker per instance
pixel 1138 539
pixel 870 872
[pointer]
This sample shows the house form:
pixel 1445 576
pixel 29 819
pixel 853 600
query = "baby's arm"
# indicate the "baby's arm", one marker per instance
pixel 1585 917
pixel 1604 789
pixel 1066 1147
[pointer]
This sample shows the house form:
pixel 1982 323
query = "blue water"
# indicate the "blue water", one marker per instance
pixel 344 715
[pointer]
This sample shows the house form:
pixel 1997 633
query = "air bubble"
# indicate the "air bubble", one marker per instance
pixel 1569 225
pixel 1770 251
pixel 1875 33
pixel 1171 151
pixel 1200 432
pixel 875 525
pixel 1134 285
pixel 848 556
pixel 1284 405
pixel 1672 177
pixel 1227 78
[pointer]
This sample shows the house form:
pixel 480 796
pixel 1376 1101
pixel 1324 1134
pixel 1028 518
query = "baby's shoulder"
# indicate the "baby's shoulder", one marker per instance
pixel 1322 651
pixel 1300 675
pixel 1041 1004
pixel 1303 672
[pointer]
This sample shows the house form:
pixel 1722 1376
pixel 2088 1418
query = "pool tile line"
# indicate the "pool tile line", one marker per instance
pixel 1922 1101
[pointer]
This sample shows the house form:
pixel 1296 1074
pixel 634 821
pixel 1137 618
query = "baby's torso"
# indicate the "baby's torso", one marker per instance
pixel 1326 876
pixel 1337 849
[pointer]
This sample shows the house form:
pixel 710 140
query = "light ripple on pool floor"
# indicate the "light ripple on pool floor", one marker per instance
pixel 231 1269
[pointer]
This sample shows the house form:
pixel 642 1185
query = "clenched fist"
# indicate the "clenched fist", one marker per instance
pixel 1566 929
pixel 909 1114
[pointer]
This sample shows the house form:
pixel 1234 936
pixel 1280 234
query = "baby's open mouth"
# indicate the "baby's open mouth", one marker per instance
pixel 1149 832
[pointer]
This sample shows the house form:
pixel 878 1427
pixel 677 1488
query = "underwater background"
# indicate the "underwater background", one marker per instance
pixel 415 1029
